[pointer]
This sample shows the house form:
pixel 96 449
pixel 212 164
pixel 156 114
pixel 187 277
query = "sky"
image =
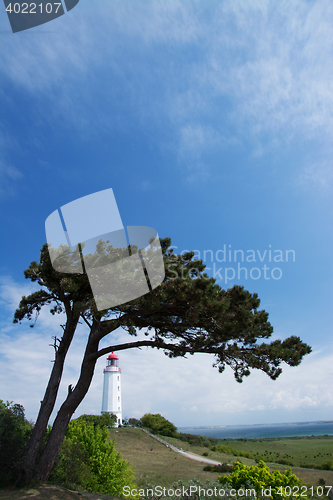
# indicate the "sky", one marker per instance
pixel 212 122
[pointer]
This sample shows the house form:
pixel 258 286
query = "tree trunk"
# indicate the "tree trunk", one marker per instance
pixel 26 470
pixel 66 411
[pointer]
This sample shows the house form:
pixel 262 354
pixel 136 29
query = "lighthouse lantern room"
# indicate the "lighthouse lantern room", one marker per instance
pixel 111 402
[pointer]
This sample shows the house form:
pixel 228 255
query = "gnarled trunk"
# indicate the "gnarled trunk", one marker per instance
pixel 27 467
pixel 66 411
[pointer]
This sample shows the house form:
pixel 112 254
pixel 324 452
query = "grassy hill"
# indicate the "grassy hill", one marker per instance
pixel 157 464
pixel 305 450
pixel 153 462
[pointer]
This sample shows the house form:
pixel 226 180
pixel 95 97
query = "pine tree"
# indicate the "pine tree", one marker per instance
pixel 187 314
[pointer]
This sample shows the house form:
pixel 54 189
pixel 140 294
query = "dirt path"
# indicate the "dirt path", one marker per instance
pixel 187 454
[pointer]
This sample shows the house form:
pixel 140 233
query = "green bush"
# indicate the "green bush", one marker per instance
pixel 15 431
pixel 261 479
pixel 283 461
pixel 218 468
pixel 309 466
pixel 89 460
pixel 159 425
pixel 188 490
pixel 327 465
pixel 231 451
pixel 133 421
pixel 107 419
pixel 196 440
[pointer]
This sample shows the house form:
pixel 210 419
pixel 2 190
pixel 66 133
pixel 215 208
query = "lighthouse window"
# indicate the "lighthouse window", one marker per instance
pixel 118 377
pixel 118 388
pixel 118 398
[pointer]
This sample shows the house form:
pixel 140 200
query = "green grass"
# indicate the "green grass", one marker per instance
pixel 156 464
pixel 315 450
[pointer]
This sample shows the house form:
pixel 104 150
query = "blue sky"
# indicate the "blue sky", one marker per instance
pixel 212 122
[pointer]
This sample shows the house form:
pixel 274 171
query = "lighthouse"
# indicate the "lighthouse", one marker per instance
pixel 111 402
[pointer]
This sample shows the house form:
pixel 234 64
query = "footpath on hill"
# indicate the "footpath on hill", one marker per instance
pixel 187 454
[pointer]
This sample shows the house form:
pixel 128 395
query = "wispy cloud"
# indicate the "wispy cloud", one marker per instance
pixel 9 175
pixel 273 62
pixel 10 296
pixel 278 66
pixel 197 143
pixel 318 175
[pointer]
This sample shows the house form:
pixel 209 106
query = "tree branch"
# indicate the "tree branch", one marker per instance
pixel 85 320
pixel 158 345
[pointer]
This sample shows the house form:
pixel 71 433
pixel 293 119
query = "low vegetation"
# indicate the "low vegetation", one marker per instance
pixel 310 452
pixel 89 460
pixel 106 420
pixel 15 431
pixel 155 464
pixel 232 451
pixel 191 490
pixel 159 425
pixel 275 484
pixel 219 468
pixel 313 452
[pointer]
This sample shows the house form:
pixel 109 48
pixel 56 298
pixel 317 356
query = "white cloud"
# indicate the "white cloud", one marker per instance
pixel 10 296
pixel 11 293
pixel 9 175
pixel 318 175
pixel 186 391
pixel 282 67
pixel 173 62
pixel 194 138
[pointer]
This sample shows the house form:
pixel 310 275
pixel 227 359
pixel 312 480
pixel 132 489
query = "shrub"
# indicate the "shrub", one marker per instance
pixel 218 468
pixel 15 431
pixel 105 420
pixel 190 490
pixel 232 451
pixel 133 421
pixel 261 479
pixel 205 454
pixel 309 466
pixel 159 424
pixel 283 461
pixel 328 465
pixel 89 460
pixel 196 440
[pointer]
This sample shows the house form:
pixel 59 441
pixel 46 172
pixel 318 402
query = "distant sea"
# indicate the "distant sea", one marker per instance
pixel 263 430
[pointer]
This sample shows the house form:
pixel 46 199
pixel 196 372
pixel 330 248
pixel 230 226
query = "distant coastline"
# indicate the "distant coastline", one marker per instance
pixel 255 431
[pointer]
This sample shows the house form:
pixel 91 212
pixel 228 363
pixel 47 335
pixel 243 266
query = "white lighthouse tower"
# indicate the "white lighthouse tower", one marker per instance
pixel 111 402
